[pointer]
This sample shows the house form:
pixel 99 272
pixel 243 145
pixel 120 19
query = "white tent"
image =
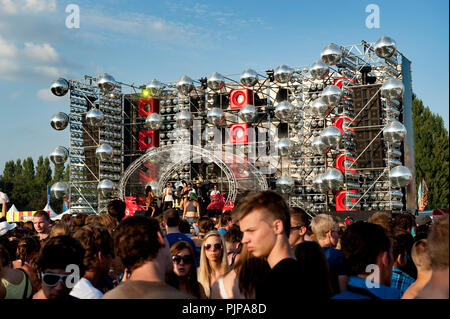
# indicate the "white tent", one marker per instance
pixel 13 209
pixel 50 211
pixel 58 217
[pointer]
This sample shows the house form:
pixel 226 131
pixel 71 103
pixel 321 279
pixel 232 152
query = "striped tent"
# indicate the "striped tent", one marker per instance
pixel 22 216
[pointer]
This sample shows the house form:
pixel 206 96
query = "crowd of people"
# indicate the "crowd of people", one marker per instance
pixel 261 249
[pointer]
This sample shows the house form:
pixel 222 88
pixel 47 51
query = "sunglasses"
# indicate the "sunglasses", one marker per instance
pixel 296 227
pixel 52 280
pixel 216 246
pixel 187 259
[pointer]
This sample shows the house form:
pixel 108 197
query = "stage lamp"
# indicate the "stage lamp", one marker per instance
pixel 145 93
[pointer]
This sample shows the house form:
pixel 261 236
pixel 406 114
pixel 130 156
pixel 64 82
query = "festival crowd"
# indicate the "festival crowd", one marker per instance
pixel 180 249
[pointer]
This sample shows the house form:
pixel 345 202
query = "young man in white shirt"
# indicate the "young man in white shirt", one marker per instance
pixel 99 254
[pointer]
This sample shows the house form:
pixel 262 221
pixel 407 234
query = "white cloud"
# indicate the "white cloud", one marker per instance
pixel 27 6
pixel 43 52
pixel 47 96
pixel 33 61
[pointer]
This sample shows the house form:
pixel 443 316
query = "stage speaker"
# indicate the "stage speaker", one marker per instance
pixel 148 139
pixel 238 133
pixel 147 106
pixel 240 97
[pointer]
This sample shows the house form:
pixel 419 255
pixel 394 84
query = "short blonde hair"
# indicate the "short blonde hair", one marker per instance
pixel 321 224
pixel 419 254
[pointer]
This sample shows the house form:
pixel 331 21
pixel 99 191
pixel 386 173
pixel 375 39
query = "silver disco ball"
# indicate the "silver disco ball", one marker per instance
pixel 318 146
pixel 332 95
pixel 216 81
pixel 394 132
pixel 184 119
pixel 283 146
pixel 331 136
pixel 317 108
pixel 392 89
pixel 215 116
pixel 106 83
pixel 60 87
pixel 59 155
pixel 104 152
pixel 94 117
pixel 333 178
pixel 105 188
pixel 285 184
pixel 59 190
pixel 331 54
pixel 185 85
pixel 249 77
pixel 155 88
pixel 385 47
pixel 283 111
pixel 283 73
pixel 318 70
pixel 400 176
pixel 292 170
pixel 153 121
pixel 59 121
pixel 248 113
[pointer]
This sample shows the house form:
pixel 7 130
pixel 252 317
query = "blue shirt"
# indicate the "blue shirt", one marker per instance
pixel 382 292
pixel 222 231
pixel 401 280
pixel 337 267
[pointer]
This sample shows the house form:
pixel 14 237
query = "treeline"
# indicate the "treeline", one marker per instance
pixel 26 183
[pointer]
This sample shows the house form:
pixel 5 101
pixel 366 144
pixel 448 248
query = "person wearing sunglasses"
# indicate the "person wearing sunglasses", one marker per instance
pixel 184 274
pixel 328 233
pixel 299 226
pixel 213 260
pixel 56 254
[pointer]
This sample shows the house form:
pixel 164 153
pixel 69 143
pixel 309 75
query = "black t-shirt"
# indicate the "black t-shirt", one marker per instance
pixel 284 281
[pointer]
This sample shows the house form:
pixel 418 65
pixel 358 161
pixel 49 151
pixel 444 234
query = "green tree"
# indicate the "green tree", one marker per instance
pixel 28 169
pixel 58 174
pixel 18 168
pixel 431 149
pixel 67 173
pixel 8 172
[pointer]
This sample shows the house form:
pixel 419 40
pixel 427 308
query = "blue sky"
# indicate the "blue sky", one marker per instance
pixel 137 41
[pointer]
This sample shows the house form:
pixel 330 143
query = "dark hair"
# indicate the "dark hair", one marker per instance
pixel 233 234
pixel 94 238
pixel 361 244
pixel 205 225
pixel 314 266
pixel 5 258
pixel 184 227
pixel 300 216
pixel 42 213
pixel 66 218
pixel 78 221
pixel 271 201
pixel 60 251
pixel 225 218
pixel 29 225
pixel 402 245
pixel 148 189
pixel 116 209
pixel 172 218
pixel 136 241
pixel 402 224
pixel 172 278
pixel 26 247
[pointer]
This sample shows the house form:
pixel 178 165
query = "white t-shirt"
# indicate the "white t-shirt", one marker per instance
pixel 168 197
pixel 213 192
pixel 83 289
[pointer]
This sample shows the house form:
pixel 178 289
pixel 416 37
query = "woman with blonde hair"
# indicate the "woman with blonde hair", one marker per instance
pixel 213 260
pixel 241 281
